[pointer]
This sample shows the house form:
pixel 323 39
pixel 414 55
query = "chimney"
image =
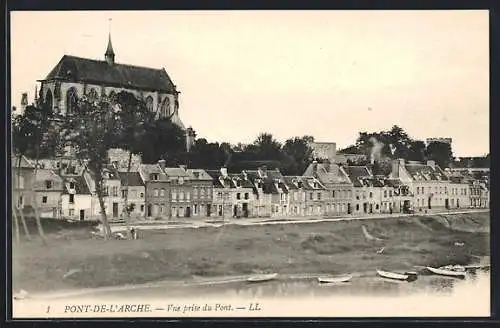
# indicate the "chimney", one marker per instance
pixel 162 164
pixel 396 165
pixel 315 167
pixel 431 163
pixel 223 170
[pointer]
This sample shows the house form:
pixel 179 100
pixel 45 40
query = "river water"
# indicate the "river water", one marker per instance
pixel 287 296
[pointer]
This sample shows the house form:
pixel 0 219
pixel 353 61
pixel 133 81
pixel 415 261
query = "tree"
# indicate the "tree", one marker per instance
pixel 440 152
pixel 163 139
pixel 134 120
pixel 417 151
pixel 34 133
pixel 400 142
pixel 266 147
pixel 91 130
pixel 299 154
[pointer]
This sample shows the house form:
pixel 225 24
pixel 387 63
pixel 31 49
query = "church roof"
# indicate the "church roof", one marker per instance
pixel 77 69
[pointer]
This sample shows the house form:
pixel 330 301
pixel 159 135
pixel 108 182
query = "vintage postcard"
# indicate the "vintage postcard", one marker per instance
pixel 250 164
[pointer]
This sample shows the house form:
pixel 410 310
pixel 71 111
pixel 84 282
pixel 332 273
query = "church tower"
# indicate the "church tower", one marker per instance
pixel 110 54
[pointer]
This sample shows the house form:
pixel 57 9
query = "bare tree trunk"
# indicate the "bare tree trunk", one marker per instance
pixel 127 211
pixel 100 196
pixel 23 221
pixel 16 224
pixel 37 213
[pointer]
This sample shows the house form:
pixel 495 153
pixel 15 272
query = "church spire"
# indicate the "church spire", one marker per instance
pixel 110 54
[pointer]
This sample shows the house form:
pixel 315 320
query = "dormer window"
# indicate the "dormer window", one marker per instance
pixel 71 185
pixel 154 176
pixel 48 184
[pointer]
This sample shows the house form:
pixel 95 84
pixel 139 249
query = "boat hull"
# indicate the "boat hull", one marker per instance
pixel 393 275
pixel 329 280
pixel 447 273
pixel 261 278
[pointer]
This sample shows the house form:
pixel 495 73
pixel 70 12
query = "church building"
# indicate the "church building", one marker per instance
pixel 74 77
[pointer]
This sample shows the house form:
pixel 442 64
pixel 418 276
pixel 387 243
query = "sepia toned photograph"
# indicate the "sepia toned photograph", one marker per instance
pixel 181 164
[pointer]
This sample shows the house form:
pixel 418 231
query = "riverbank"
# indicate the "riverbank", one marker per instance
pixel 76 260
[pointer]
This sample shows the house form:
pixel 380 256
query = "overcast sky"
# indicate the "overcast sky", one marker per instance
pixel 329 74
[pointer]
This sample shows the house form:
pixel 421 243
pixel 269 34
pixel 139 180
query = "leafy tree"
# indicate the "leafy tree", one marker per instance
pixel 91 130
pixel 266 147
pixel 34 133
pixel 134 119
pixel 298 154
pixel 163 139
pixel 400 141
pixel 417 151
pixel 440 152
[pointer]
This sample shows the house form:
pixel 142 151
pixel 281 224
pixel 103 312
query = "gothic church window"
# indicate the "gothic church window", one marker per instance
pixel 48 99
pixel 71 100
pixel 149 103
pixel 93 95
pixel 165 107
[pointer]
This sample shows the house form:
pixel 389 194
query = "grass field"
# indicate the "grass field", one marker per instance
pixel 74 259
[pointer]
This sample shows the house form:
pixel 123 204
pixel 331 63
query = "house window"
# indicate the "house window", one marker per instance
pixel 71 198
pixel 124 193
pixel 71 185
pixel 390 193
pixel 44 199
pixel 48 184
pixel 154 176
pixel 311 196
pixel 319 196
pixel 188 196
pixel 333 193
pixel 115 191
pixel 155 192
pixel 371 194
pixel 247 195
pixel 202 193
pixel 181 195
pixel 142 208
pixel 195 209
pixel 20 201
pixel 238 196
pixel 71 212
pixel 357 207
pixel 162 208
pixel 174 195
pixel 142 195
pixel 385 193
pixel 162 192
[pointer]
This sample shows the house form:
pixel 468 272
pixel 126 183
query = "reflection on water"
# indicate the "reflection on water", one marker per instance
pixel 289 287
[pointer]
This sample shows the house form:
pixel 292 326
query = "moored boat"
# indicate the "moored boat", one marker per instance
pixel 449 273
pixel 262 277
pixel 396 276
pixel 334 279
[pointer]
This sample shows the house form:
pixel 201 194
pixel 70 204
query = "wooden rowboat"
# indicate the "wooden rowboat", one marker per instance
pixel 394 275
pixel 335 279
pixel 449 273
pixel 262 277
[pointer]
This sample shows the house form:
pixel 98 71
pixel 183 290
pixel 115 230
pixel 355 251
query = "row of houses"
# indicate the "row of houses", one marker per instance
pixel 63 188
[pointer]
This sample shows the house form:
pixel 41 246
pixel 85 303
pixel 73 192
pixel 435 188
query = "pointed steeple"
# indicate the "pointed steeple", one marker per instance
pixel 110 54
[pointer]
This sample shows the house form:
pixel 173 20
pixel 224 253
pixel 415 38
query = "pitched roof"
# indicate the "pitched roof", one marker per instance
pixel 425 172
pixel 81 186
pixel 176 172
pixel 43 175
pixel 359 175
pixel 244 182
pixel 199 174
pixel 219 180
pixel 327 173
pixel 77 69
pixel 132 179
